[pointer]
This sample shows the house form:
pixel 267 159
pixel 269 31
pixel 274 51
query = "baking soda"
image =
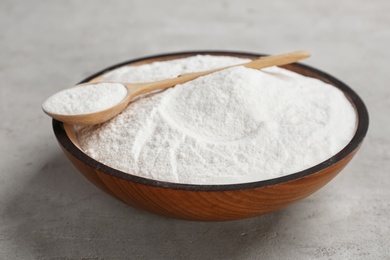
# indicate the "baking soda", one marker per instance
pixel 233 126
pixel 85 99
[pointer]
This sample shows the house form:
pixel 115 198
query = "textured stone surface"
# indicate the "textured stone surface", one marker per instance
pixel 49 211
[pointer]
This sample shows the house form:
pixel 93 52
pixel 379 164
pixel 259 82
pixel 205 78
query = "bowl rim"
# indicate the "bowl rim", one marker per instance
pixel 361 130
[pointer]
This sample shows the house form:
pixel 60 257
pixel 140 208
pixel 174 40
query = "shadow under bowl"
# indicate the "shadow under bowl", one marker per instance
pixel 214 202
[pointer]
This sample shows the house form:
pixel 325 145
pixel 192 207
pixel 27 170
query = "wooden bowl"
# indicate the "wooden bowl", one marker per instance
pixel 214 202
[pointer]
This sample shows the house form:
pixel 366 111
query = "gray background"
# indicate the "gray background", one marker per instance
pixel 49 211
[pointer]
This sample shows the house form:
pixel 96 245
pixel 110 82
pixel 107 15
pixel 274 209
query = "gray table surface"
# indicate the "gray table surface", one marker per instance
pixel 49 211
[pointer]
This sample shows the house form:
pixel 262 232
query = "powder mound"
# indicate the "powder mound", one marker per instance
pixel 73 101
pixel 234 126
pixel 169 69
pixel 217 108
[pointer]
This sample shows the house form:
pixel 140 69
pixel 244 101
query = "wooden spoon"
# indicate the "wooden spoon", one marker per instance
pixel 135 89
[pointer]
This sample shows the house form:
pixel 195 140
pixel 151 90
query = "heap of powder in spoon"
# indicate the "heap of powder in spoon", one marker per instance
pixel 233 126
pixel 73 101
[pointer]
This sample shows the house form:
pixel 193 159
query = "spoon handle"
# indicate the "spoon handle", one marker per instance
pixel 263 62
pixel 276 60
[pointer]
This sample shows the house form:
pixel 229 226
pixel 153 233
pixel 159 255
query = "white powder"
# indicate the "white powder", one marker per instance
pixel 85 99
pixel 234 126
pixel 169 69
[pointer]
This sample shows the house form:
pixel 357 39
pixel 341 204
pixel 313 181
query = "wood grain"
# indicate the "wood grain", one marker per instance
pixel 209 205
